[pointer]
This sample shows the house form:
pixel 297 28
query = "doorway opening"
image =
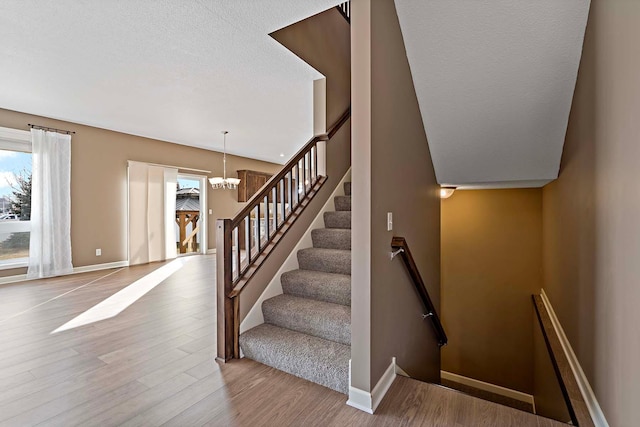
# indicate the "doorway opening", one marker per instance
pixel 190 215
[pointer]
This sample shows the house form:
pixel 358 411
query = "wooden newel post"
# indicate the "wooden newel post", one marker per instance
pixel 224 285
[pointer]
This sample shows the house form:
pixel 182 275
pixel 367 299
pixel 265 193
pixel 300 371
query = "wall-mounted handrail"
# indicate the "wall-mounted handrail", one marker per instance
pixel 245 241
pixel 576 405
pixel 400 247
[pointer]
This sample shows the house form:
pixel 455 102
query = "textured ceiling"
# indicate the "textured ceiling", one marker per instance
pixel 175 70
pixel 494 81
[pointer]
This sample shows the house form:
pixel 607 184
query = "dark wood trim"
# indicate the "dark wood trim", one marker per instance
pixel 266 188
pixel 236 327
pixel 228 289
pixel 400 244
pixel 226 313
pixel 245 189
pixel 345 11
pixel 255 266
pixel 338 124
pixel 573 398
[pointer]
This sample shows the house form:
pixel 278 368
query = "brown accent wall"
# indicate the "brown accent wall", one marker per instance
pixel 591 214
pixel 323 41
pixel 99 183
pixel 392 172
pixel 491 265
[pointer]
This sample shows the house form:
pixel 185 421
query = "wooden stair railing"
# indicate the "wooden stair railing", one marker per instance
pixel 400 247
pixel 345 10
pixel 265 219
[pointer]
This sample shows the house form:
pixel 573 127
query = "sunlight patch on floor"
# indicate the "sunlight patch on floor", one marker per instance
pixel 122 299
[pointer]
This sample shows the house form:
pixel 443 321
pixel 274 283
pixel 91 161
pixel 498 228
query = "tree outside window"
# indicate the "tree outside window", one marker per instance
pixel 21 196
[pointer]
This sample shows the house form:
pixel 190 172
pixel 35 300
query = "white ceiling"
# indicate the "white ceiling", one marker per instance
pixel 494 81
pixel 175 70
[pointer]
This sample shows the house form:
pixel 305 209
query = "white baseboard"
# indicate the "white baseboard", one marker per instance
pixel 97 267
pixel 13 279
pixel 211 251
pixel 274 288
pixel 492 388
pixel 76 270
pixel 583 383
pixel 368 402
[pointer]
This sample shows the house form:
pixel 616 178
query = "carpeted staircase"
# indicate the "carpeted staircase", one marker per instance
pixel 307 330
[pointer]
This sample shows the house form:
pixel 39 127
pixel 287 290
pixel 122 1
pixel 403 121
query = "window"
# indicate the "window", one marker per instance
pixel 15 197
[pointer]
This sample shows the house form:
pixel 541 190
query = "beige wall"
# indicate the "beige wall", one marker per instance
pixel 591 217
pixel 491 265
pixel 392 172
pixel 547 393
pixel 99 183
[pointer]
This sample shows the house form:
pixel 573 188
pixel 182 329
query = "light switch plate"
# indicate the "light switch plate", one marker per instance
pixel 389 221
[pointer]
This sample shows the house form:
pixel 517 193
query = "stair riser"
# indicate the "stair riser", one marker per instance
pixel 329 263
pixel 333 288
pixel 334 324
pixel 342 203
pixel 341 220
pixel 320 361
pixel 331 239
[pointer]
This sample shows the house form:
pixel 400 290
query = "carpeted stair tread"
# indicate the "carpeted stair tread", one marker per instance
pixel 315 359
pixel 327 260
pixel 347 188
pixel 340 219
pixel 318 318
pixel 331 238
pixel 342 203
pixel 329 287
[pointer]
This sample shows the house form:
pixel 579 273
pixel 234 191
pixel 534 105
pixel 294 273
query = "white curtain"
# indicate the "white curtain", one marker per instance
pixel 50 243
pixel 170 189
pixel 152 213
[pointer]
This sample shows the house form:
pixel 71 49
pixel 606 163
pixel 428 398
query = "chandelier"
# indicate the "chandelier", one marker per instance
pixel 221 183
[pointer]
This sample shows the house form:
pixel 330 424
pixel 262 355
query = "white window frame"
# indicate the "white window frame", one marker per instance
pixel 15 140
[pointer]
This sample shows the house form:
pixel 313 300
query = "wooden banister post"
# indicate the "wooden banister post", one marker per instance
pixel 224 285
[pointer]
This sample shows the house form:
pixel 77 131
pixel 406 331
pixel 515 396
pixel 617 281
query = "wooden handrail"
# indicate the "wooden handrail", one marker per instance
pixel 244 242
pixel 400 246
pixel 266 188
pixel 576 405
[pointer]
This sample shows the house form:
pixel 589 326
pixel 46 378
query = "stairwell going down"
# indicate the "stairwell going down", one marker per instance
pixel 307 329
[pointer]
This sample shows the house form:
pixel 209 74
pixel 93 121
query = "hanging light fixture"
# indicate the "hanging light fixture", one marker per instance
pixel 221 183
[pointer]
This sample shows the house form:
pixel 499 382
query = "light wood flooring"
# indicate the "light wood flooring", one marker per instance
pixel 153 364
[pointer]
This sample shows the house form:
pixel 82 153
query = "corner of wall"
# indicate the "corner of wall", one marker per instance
pixel 368 402
pixel 589 396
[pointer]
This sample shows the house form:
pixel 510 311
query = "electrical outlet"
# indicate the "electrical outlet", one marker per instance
pixel 98 252
pixel 389 221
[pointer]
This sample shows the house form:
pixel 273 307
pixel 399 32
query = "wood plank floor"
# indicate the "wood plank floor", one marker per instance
pixel 153 364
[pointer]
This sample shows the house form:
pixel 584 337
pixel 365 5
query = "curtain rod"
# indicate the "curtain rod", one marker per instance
pixel 68 132
pixel 171 166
